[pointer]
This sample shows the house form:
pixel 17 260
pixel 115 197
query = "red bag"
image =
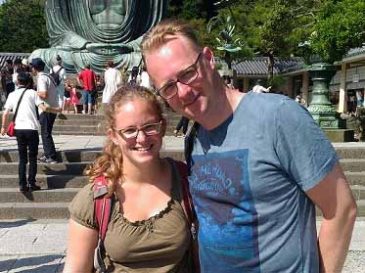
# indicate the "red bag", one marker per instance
pixel 11 131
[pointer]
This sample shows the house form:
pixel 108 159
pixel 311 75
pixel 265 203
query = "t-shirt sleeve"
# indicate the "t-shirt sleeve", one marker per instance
pixel 302 147
pixel 42 84
pixel 9 104
pixel 82 207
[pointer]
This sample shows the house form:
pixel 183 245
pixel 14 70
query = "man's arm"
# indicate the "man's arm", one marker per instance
pixel 334 198
pixel 4 122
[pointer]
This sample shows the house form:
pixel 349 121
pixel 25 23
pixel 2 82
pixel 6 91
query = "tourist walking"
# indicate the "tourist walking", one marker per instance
pixel 46 90
pixel 148 229
pixel 60 75
pixel 7 83
pixel 256 174
pixel 182 124
pixel 112 79
pixel 23 101
pixel 87 79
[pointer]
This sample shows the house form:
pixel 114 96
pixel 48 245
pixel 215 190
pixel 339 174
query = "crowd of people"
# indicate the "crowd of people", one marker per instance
pixel 254 179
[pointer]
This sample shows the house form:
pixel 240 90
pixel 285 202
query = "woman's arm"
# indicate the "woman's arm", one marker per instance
pixel 80 248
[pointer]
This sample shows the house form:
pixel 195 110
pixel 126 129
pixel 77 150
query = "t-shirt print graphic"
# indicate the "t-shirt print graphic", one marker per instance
pixel 222 195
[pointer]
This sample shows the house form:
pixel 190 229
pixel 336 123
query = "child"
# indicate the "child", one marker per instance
pixel 74 100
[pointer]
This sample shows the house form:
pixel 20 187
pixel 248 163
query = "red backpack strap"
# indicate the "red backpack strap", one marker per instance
pixel 187 201
pixel 102 205
pixel 190 212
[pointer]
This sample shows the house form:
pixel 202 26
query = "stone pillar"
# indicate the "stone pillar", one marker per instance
pixel 320 107
pixel 342 104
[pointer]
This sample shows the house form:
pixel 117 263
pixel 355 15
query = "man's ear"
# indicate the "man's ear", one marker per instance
pixel 209 55
pixel 112 136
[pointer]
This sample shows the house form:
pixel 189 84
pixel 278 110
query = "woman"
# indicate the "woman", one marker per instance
pixel 148 230
pixel 112 79
pixel 26 129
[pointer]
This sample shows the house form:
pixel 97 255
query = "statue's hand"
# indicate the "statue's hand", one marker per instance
pixel 109 49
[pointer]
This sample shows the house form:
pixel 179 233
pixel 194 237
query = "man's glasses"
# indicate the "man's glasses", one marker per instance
pixel 186 76
pixel 148 129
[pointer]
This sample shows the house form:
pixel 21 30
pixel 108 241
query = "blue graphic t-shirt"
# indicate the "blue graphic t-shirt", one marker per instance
pixel 248 183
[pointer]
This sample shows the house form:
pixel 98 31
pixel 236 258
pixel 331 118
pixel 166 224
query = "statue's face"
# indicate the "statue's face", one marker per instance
pixel 108 14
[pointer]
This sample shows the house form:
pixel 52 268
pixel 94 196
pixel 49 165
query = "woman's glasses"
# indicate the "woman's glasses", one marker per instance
pixel 148 129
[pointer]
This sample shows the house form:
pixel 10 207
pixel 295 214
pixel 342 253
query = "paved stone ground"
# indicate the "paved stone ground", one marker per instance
pixel 40 246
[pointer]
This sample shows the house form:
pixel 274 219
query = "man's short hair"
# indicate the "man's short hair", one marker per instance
pixel 23 78
pixel 166 31
pixel 38 64
pixel 9 61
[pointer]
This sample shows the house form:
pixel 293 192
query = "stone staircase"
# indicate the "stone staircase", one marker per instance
pixel 71 124
pixel 60 182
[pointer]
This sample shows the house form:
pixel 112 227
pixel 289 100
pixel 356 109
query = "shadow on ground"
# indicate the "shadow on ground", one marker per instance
pixel 37 264
pixel 17 223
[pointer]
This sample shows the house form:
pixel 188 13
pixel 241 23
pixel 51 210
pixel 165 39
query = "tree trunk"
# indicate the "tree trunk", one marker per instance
pixel 270 68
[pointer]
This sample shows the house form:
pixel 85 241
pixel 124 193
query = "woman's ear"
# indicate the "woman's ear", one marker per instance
pixel 112 136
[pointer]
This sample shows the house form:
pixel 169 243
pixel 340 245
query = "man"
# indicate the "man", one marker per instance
pixel 87 79
pixel 255 178
pixel 26 125
pixel 46 90
pixel 60 72
pixel 7 83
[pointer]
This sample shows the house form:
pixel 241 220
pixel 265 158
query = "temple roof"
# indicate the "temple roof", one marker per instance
pixel 258 66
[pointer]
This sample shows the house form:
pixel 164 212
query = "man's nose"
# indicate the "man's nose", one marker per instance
pixel 183 90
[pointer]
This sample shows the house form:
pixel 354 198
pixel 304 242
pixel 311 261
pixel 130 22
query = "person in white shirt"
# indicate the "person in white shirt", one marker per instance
pixel 258 88
pixel 112 79
pixel 26 129
pixel 57 68
pixel 145 79
pixel 46 90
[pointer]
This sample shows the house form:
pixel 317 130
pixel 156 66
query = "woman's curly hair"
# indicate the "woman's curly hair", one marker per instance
pixel 110 162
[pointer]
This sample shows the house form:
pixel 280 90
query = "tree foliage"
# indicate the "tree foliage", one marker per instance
pixel 22 26
pixel 339 26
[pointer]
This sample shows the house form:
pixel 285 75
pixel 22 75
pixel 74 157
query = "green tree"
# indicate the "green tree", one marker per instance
pixel 339 26
pixel 275 27
pixel 22 26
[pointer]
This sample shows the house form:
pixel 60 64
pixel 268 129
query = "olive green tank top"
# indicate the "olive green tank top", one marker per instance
pixel 156 245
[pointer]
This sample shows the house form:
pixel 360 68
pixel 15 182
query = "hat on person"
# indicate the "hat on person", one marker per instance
pixel 25 61
pixel 38 63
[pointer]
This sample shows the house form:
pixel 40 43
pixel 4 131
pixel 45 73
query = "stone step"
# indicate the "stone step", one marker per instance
pixel 12 195
pixel 353 165
pixel 34 210
pixel 67 168
pixel 47 181
pixel 350 152
pixel 63 156
pixel 59 210
pixel 86 155
pixel 356 178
